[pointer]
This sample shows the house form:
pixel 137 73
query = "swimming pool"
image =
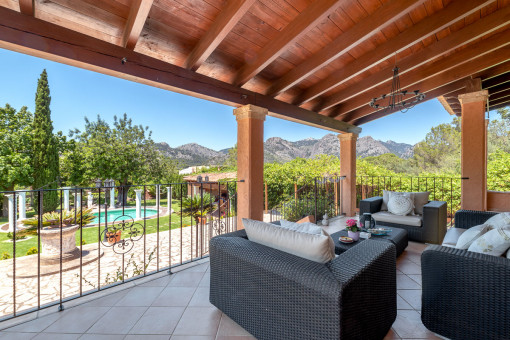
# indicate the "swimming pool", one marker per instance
pixel 128 213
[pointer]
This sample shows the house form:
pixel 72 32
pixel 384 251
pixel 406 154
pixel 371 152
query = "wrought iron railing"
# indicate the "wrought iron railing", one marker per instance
pixel 441 189
pixel 142 230
pixel 321 196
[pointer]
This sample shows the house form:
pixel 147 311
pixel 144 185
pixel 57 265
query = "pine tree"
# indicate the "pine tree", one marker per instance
pixel 45 147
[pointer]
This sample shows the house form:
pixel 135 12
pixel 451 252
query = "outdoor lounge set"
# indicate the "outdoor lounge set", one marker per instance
pixel 335 291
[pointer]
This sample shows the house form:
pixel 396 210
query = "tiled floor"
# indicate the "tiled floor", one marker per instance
pixel 177 307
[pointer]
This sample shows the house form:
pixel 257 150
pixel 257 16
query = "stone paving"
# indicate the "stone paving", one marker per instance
pixel 98 273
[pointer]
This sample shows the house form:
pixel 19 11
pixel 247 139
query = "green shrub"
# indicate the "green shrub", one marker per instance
pixel 5 255
pixel 32 251
pixel 19 235
pixel 83 242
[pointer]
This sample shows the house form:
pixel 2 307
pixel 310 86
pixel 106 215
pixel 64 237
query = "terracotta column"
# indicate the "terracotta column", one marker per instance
pixel 250 162
pixel 348 169
pixel 474 151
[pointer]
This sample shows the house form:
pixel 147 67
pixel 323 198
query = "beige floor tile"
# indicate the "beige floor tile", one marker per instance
pixel 192 337
pixel 109 300
pixel 160 282
pixel 405 282
pixel 392 335
pixel 200 268
pixel 408 267
pixel 200 298
pixel 233 337
pixel 56 336
pixel 402 304
pixel 118 320
pixel 186 279
pixel 174 297
pixel 206 280
pixel 416 278
pixel 146 337
pixel 412 296
pixel 37 325
pixel 408 325
pixel 158 320
pixel 77 320
pixel 230 327
pixel 16 336
pixel 199 321
pixel 102 337
pixel 140 296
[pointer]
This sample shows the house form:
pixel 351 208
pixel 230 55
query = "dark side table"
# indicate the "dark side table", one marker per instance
pixel 397 236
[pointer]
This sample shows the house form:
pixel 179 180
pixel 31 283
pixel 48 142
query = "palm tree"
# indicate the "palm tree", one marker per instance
pixel 197 206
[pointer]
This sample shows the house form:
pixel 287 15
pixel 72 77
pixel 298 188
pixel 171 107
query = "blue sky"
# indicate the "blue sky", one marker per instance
pixel 173 118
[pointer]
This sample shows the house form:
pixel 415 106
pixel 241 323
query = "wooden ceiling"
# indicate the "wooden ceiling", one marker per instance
pixel 318 62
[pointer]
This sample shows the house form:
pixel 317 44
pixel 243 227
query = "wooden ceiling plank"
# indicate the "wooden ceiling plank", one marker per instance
pixel 493 72
pixel 411 80
pixel 233 11
pixel 498 89
pixel 424 28
pixel 463 71
pixel 359 33
pixel 26 7
pixel 446 105
pixel 502 79
pixel 499 101
pixel 441 47
pixel 502 94
pixel 455 86
pixel 500 106
pixel 305 21
pixel 137 16
pixel 43 39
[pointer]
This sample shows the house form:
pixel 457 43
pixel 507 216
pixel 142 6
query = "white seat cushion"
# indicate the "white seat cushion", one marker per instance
pixel 452 236
pixel 315 247
pixel 470 235
pixel 411 220
pixel 494 242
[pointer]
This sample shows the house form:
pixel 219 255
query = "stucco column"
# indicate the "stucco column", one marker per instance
pixel 138 203
pixel 169 199
pixel 158 197
pixel 474 151
pixel 66 198
pixel 250 162
pixel 12 211
pixel 22 197
pixel 90 199
pixel 77 200
pixel 348 169
pixel 112 198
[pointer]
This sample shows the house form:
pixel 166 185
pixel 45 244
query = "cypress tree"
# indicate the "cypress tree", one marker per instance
pixel 45 148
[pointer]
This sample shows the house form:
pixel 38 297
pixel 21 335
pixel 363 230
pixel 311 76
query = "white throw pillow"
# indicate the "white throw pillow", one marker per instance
pixel 499 221
pixel 495 242
pixel 385 199
pixel 471 235
pixel 420 199
pixel 306 227
pixel 452 237
pixel 315 247
pixel 401 203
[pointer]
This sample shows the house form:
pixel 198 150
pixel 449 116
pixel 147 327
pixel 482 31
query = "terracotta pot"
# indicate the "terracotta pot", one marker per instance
pixel 113 237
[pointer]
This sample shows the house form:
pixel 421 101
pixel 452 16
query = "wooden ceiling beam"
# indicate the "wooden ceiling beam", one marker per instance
pixel 46 40
pixel 494 71
pixel 27 7
pixel 502 79
pixel 500 106
pixel 305 21
pixel 455 86
pixel 412 80
pixel 502 94
pixel 499 101
pixel 231 13
pixel 359 33
pixel 498 89
pixel 137 16
pixel 447 106
pixel 428 26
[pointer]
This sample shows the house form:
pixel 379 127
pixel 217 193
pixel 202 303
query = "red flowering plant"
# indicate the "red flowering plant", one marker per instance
pixel 352 225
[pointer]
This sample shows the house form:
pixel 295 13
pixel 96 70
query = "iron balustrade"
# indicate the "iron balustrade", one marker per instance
pixel 123 248
pixel 441 189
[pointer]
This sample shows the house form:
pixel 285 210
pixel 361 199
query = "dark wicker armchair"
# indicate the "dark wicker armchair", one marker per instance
pixel 276 295
pixel 433 221
pixel 466 295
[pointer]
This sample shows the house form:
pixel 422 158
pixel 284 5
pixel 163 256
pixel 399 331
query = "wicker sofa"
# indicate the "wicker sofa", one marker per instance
pixel 276 295
pixel 466 295
pixel 428 228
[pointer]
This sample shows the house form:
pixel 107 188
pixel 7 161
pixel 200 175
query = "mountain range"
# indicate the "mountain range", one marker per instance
pixel 280 150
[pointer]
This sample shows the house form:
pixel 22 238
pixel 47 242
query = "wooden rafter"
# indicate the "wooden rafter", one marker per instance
pixel 305 21
pixel 504 78
pixel 442 90
pixel 465 70
pixel 494 71
pixel 23 34
pixel 26 7
pixel 412 80
pixel 500 95
pixel 136 20
pixel 498 89
pixel 226 20
pixel 500 106
pixel 468 34
pixel 499 101
pixel 359 33
pixel 446 105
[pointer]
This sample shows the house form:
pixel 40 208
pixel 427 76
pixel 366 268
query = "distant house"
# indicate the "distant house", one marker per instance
pixel 211 186
pixel 192 169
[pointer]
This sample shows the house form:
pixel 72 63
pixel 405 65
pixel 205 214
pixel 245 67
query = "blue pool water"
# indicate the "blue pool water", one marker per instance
pixel 128 213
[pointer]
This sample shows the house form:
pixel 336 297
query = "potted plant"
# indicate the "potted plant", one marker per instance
pixel 113 236
pixel 59 224
pixel 198 207
pixel 353 229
